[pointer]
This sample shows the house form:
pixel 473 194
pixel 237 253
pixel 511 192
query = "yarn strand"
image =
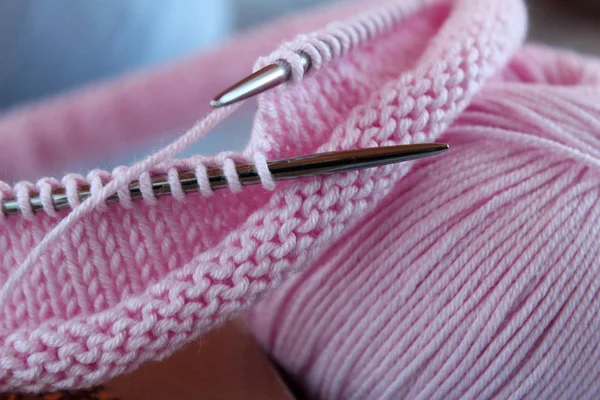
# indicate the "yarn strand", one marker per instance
pixel 213 119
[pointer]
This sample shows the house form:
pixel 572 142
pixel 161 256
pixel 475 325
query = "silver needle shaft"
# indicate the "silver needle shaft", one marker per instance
pixel 290 168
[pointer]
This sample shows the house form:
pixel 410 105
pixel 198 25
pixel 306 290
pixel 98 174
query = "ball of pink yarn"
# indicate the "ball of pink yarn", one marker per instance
pixel 478 276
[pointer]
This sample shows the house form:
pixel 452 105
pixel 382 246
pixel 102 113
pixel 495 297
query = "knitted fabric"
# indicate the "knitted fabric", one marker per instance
pixel 472 274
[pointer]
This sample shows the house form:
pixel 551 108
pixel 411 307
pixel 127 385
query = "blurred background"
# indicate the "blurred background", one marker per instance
pixel 52 46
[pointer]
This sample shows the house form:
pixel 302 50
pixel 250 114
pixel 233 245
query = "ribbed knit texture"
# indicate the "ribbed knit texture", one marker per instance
pixel 469 275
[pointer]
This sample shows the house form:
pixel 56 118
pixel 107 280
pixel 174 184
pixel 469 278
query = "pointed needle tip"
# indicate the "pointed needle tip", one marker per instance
pixel 430 149
pixel 264 79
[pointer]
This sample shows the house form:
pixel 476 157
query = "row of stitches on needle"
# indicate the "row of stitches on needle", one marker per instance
pixel 24 191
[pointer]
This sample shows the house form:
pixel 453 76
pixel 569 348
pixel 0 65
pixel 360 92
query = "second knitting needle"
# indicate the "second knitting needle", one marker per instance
pixel 264 79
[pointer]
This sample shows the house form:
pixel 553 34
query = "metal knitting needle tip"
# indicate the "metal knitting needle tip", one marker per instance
pixel 262 80
pixel 351 160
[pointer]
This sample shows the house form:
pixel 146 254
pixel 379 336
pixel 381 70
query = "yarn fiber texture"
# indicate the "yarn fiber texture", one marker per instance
pixel 469 275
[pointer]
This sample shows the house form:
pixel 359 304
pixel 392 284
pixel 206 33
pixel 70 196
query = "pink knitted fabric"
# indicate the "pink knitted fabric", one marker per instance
pixel 469 275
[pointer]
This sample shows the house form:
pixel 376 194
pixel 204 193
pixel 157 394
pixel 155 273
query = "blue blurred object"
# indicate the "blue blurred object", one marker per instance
pixel 51 46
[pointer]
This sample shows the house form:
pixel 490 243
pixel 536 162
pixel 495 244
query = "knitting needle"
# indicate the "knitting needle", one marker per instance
pixel 290 168
pixel 264 79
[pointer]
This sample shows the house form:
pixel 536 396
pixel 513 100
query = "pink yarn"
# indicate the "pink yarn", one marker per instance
pixel 469 275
